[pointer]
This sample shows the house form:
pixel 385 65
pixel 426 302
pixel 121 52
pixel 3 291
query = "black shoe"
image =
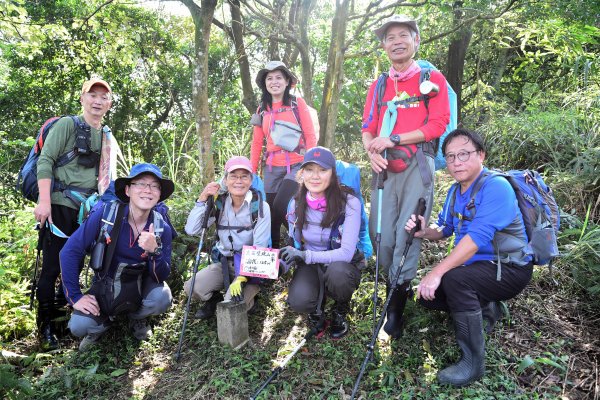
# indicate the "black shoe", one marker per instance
pixel 468 327
pixel 491 314
pixel 339 326
pixel 394 324
pixel 48 340
pixel 208 309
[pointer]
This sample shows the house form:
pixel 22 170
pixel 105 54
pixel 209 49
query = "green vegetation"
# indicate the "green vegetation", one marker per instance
pixel 530 85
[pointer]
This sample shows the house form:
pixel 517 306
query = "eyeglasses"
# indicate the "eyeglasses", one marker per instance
pixel 154 187
pixel 241 178
pixel 462 156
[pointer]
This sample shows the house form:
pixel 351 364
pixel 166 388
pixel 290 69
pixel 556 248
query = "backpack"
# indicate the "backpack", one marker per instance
pixel 27 177
pixel 425 74
pixel 349 176
pixel 541 215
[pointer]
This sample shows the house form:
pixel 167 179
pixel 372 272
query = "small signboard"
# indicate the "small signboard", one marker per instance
pixel 259 262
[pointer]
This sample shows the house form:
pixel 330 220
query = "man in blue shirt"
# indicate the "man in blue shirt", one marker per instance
pixel 490 261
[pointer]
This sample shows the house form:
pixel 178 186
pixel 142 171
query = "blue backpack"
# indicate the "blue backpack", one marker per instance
pixel 541 214
pixel 349 175
pixel 426 68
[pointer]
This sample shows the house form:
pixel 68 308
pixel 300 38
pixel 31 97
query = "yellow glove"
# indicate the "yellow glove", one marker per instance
pixel 235 289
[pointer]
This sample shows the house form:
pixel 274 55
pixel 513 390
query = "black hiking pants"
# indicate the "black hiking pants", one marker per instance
pixel 470 287
pixel 65 218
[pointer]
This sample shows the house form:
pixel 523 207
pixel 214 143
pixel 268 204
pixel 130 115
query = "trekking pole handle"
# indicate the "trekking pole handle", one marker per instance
pixel 419 212
pixel 210 202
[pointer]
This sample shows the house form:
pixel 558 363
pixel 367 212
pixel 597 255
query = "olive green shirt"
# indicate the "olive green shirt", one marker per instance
pixel 61 140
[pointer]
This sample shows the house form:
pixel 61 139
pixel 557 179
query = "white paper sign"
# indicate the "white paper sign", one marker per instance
pixel 259 262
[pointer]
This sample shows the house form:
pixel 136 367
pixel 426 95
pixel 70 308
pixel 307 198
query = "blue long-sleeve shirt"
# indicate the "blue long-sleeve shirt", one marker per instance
pixel 84 237
pixel 495 209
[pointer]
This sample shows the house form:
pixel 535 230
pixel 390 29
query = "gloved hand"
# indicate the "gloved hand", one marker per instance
pixel 292 255
pixel 235 289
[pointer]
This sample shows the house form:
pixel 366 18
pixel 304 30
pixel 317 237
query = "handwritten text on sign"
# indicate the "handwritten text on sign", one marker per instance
pixel 260 262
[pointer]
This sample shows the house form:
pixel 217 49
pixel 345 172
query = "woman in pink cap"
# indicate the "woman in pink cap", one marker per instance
pixel 283 120
pixel 236 227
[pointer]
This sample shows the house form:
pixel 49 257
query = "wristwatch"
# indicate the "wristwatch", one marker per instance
pixel 158 250
pixel 395 139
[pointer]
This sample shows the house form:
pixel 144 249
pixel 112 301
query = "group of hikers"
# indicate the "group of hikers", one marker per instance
pixel 130 243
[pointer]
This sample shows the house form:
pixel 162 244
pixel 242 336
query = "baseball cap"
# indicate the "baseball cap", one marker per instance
pixel 87 85
pixel 238 162
pixel 321 156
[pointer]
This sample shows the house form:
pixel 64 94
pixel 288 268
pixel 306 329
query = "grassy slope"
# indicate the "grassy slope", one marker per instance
pixel 546 325
pixel 548 349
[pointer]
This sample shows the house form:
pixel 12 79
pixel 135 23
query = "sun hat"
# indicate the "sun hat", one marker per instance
pixel 166 185
pixel 396 20
pixel 272 66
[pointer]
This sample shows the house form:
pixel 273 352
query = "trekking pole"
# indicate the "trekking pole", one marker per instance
pixel 371 346
pixel 39 247
pixel 380 180
pixel 277 370
pixel 209 205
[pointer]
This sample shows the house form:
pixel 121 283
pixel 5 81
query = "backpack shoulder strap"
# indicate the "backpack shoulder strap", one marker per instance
pixel 112 224
pixel 380 88
pixel 159 223
pixel 471 204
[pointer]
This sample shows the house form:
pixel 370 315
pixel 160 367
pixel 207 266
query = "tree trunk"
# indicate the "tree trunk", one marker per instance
pixel 237 34
pixel 457 52
pixel 202 16
pixel 335 73
pixel 305 8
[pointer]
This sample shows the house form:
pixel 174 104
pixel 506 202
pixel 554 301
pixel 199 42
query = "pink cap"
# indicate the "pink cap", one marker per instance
pixel 238 162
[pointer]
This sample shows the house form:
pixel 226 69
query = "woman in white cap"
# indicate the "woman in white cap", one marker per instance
pixel 324 222
pixel 284 121
pixel 236 226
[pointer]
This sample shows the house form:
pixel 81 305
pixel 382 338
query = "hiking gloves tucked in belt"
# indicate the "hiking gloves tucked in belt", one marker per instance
pixel 235 289
pixel 291 255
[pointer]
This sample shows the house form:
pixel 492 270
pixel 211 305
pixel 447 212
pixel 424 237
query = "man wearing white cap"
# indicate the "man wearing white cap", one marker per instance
pixel 236 227
pixel 401 125
pixel 62 188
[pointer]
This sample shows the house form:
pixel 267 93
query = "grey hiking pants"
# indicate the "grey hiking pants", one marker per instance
pixel 157 300
pixel 401 193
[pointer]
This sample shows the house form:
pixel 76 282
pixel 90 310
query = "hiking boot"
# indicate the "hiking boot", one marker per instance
pixel 48 340
pixel 468 327
pixel 339 326
pixel 491 313
pixel 394 324
pixel 89 340
pixel 210 307
pixel 141 329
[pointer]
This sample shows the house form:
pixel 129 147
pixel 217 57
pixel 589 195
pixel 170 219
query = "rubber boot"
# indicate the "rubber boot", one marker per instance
pixel 339 325
pixel 208 309
pixel 48 340
pixel 468 327
pixel 491 313
pixel 395 322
